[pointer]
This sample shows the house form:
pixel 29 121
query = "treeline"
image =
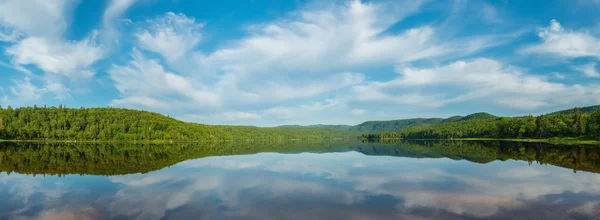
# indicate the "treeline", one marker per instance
pixel 553 125
pixel 61 123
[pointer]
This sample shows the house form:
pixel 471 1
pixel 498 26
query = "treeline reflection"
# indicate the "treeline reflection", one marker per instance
pixel 128 158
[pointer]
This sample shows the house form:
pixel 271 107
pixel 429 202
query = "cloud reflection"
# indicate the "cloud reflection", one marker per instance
pixel 345 185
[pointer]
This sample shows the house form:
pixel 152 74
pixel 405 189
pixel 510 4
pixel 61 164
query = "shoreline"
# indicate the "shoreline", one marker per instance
pixel 556 141
pixel 163 141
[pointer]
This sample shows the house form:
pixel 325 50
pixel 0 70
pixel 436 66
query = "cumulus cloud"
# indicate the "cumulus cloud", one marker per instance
pixel 172 36
pixel 68 58
pixel 309 53
pixel 565 43
pixel 334 38
pixel 35 37
pixel 304 110
pixel 479 79
pixel 144 82
pixel 589 70
pixel 34 17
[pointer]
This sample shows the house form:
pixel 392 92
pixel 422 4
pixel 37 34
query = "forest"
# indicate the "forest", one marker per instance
pixel 61 123
pixel 565 124
pixel 115 124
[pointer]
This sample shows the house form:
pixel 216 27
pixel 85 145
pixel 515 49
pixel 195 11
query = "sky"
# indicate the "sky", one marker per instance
pixel 272 62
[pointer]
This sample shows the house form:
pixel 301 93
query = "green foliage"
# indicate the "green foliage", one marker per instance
pixel 34 123
pixel 552 125
pixel 476 116
pixel 250 133
pixel 395 125
pixel 338 127
pixel 583 110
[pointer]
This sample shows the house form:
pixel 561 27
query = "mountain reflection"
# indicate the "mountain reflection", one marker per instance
pixel 324 185
pixel 122 158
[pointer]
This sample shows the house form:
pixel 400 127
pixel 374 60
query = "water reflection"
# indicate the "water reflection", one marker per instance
pixel 419 181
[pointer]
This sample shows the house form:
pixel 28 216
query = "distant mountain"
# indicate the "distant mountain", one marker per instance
pixel 475 116
pixel 339 127
pixel 395 125
pixel 584 110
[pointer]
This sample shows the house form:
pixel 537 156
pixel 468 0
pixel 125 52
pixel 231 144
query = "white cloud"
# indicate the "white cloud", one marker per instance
pixel 480 79
pixel 10 36
pixel 115 10
pixel 302 111
pixel 144 82
pixel 278 91
pixel 34 30
pixel 23 92
pixel 35 17
pixel 237 115
pixel 330 39
pixel 67 58
pixel 313 51
pixel 589 70
pixel 558 75
pixel 172 36
pixel 59 90
pixel 560 42
pixel 358 112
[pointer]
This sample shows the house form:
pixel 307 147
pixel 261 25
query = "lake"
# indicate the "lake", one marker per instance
pixel 299 180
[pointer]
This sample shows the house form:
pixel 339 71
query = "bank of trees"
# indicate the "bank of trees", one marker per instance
pixel 575 124
pixel 61 123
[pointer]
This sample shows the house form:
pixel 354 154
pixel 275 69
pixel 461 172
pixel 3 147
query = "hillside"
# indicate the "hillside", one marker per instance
pixel 338 127
pixel 584 110
pixel 396 125
pixel 60 123
pixel 583 123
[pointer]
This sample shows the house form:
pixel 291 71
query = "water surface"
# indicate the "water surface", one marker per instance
pixel 328 180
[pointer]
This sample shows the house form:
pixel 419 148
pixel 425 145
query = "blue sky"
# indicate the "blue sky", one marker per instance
pixel 268 62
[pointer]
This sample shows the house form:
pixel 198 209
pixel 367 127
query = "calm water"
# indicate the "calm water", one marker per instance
pixel 433 180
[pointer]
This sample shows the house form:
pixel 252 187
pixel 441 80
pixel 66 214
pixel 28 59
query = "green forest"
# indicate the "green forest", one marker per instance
pixel 61 123
pixel 576 123
pixel 115 124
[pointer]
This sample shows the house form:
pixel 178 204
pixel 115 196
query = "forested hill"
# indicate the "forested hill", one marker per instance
pixel 60 123
pixel 339 127
pixel 583 110
pixel 574 123
pixel 396 125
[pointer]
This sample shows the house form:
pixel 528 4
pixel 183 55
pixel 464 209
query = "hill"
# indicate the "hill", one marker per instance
pixel 339 127
pixel 584 110
pixel 583 123
pixel 477 116
pixel 60 123
pixel 396 125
